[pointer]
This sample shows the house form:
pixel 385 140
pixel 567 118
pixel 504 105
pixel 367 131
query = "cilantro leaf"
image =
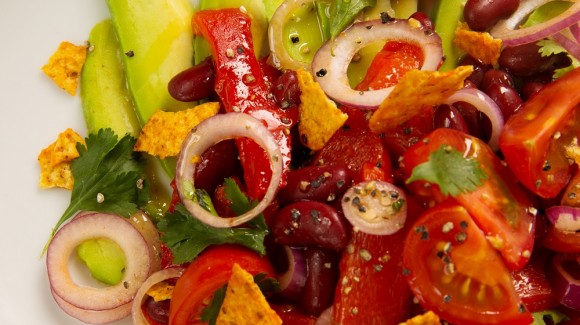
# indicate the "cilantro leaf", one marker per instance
pixel 210 313
pixel 240 203
pixel 453 173
pixel 550 47
pixel 342 13
pixel 186 236
pixel 108 169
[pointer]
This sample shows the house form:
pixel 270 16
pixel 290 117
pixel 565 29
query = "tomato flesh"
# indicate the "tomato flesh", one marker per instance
pixel 454 271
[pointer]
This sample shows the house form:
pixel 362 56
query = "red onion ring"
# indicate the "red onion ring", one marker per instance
pixel 484 104
pixel 90 226
pixel 375 207
pixel 293 280
pixel 145 226
pixel 206 134
pixel 564 218
pixel 565 286
pixel 331 61
pixel 93 316
pixel 572 47
pixel 505 29
pixel 280 56
pixel 159 276
pixel 575 30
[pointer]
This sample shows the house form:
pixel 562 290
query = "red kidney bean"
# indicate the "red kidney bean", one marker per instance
pixel 525 60
pixel 157 310
pixel 530 88
pixel 311 223
pixel 481 15
pixel 496 76
pixel 315 183
pixel 318 292
pixel 447 116
pixel 507 98
pixel 479 68
pixel 471 116
pixel 218 162
pixel 286 90
pixel 423 19
pixel 195 83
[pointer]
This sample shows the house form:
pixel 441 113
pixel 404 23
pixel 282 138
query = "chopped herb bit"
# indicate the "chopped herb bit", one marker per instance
pixel 343 12
pixel 453 173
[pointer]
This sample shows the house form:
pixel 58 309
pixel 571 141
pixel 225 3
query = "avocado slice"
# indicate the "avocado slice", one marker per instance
pixel 104 259
pixel 105 99
pixel 446 15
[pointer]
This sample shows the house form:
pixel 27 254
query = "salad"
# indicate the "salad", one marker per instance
pixel 363 161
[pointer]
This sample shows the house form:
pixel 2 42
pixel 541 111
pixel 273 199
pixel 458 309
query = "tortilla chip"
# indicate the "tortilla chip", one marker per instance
pixel 161 291
pixel 481 46
pixel 244 303
pixel 65 65
pixel 415 90
pixel 428 318
pixel 319 116
pixel 54 160
pixel 164 132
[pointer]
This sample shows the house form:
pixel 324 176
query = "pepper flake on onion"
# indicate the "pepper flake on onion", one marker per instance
pixel 319 116
pixel 164 132
pixel 415 90
pixel 480 45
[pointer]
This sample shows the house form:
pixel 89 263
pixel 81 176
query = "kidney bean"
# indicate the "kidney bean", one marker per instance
pixel 318 292
pixel 471 116
pixel 481 15
pixel 479 68
pixel 157 310
pixel 315 183
pixel 195 83
pixel 525 60
pixel 507 98
pixel 447 116
pixel 530 88
pixel 286 90
pixel 311 223
pixel 496 76
pixel 217 162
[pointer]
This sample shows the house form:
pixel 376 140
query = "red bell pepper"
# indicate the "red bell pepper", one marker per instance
pixel 241 86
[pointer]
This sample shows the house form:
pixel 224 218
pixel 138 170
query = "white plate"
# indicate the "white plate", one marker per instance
pixel 32 112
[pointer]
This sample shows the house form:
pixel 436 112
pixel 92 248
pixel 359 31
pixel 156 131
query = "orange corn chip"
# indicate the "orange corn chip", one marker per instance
pixel 481 46
pixel 428 318
pixel 161 291
pixel 164 132
pixel 65 65
pixel 415 90
pixel 244 303
pixel 54 160
pixel 319 116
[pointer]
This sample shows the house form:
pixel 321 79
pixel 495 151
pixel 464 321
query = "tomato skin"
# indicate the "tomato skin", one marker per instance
pixel 207 273
pixel 241 86
pixel 532 285
pixel 538 132
pixel 449 259
pixel 562 241
pixel 499 206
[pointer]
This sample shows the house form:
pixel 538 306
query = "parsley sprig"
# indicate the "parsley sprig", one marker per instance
pixel 343 12
pixel 448 168
pixel 107 169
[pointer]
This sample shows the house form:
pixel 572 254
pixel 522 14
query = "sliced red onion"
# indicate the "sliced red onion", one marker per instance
pixel 145 226
pixel 292 281
pixel 92 226
pixel 564 218
pixel 572 47
pixel 375 207
pixel 325 317
pixel 332 59
pixel 507 32
pixel 565 285
pixel 575 30
pixel 206 134
pixel 280 56
pixel 484 104
pixel 93 316
pixel 159 276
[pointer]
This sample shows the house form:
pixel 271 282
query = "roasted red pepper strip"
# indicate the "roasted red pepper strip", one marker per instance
pixel 241 87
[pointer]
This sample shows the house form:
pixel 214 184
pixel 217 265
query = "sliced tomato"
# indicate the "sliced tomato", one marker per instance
pixel 499 206
pixel 562 241
pixel 453 270
pixel 207 273
pixel 533 139
pixel 357 148
pixel 532 285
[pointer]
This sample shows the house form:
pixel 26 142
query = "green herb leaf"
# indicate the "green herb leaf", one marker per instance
pixel 550 47
pixel 186 236
pixel 453 173
pixel 342 13
pixel 241 204
pixel 108 169
pixel 210 313
pixel 548 317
